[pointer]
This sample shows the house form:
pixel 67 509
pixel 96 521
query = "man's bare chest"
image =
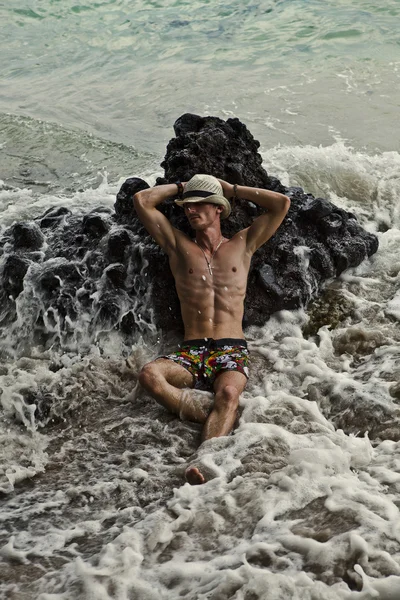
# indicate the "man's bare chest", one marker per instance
pixel 226 266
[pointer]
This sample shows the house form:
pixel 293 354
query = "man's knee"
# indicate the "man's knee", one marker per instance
pixel 228 397
pixel 148 376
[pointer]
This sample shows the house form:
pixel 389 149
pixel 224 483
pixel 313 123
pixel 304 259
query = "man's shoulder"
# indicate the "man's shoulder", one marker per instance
pixel 238 240
pixel 182 237
pixel 183 242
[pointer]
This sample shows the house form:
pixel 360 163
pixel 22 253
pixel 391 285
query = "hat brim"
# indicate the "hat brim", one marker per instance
pixel 214 199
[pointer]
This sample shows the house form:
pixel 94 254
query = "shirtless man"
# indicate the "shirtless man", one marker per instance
pixel 210 277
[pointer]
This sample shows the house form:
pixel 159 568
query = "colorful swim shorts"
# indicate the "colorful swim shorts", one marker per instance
pixel 207 358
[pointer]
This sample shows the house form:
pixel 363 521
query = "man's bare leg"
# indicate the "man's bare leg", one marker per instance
pixel 164 380
pixel 227 387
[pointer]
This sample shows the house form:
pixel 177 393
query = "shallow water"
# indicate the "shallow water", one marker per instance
pixel 304 499
pixel 295 72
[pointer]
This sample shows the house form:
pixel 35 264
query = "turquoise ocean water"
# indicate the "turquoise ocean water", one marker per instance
pixel 297 72
pixel 93 508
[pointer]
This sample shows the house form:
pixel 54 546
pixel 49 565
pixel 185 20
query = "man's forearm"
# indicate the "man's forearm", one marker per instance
pixel 155 195
pixel 272 201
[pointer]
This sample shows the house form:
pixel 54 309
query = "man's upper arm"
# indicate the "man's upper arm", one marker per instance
pixel 264 227
pixel 156 224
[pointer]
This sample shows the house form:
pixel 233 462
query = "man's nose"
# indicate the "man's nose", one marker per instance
pixel 190 207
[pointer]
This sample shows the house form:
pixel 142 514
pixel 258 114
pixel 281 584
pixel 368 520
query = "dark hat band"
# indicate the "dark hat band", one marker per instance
pixel 198 194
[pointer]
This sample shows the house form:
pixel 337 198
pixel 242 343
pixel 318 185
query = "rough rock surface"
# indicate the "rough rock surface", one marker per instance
pixel 316 241
pixel 84 275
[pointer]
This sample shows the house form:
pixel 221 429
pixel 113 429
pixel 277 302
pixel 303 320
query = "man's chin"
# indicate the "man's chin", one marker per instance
pixel 196 225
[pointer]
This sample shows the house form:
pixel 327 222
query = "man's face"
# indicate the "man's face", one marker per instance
pixel 202 214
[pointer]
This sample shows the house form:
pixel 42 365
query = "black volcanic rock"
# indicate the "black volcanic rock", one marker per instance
pixel 316 241
pixel 118 242
pixel 14 271
pixel 225 149
pixel 53 216
pixel 102 271
pixel 123 204
pixel 116 274
pixel 94 225
pixel 27 236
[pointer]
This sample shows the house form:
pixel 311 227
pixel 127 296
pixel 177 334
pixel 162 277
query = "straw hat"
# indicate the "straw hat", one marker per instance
pixel 205 188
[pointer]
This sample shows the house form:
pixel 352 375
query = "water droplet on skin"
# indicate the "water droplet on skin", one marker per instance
pixel 210 320
pixel 199 311
pixel 158 226
pixel 225 288
pixel 241 237
pixel 203 277
pixel 257 193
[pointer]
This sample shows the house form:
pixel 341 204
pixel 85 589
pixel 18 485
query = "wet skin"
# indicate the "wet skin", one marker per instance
pixel 211 304
pixel 212 307
pixel 210 278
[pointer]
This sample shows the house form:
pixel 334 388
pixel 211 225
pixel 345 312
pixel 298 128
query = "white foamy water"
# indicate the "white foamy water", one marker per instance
pixel 304 496
pixel 22 204
pixel 303 499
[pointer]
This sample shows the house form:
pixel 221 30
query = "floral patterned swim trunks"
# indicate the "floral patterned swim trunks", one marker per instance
pixel 207 358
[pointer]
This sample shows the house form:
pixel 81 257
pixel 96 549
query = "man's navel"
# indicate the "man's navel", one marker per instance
pixel 234 269
pixel 191 271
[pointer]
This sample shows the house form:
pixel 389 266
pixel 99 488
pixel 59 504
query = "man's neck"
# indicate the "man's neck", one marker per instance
pixel 209 238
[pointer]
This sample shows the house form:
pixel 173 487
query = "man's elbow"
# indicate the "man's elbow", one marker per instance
pixel 283 205
pixel 286 204
pixel 136 199
pixel 139 200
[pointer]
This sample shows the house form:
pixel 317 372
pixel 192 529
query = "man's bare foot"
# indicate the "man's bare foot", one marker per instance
pixel 198 472
pixel 193 476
